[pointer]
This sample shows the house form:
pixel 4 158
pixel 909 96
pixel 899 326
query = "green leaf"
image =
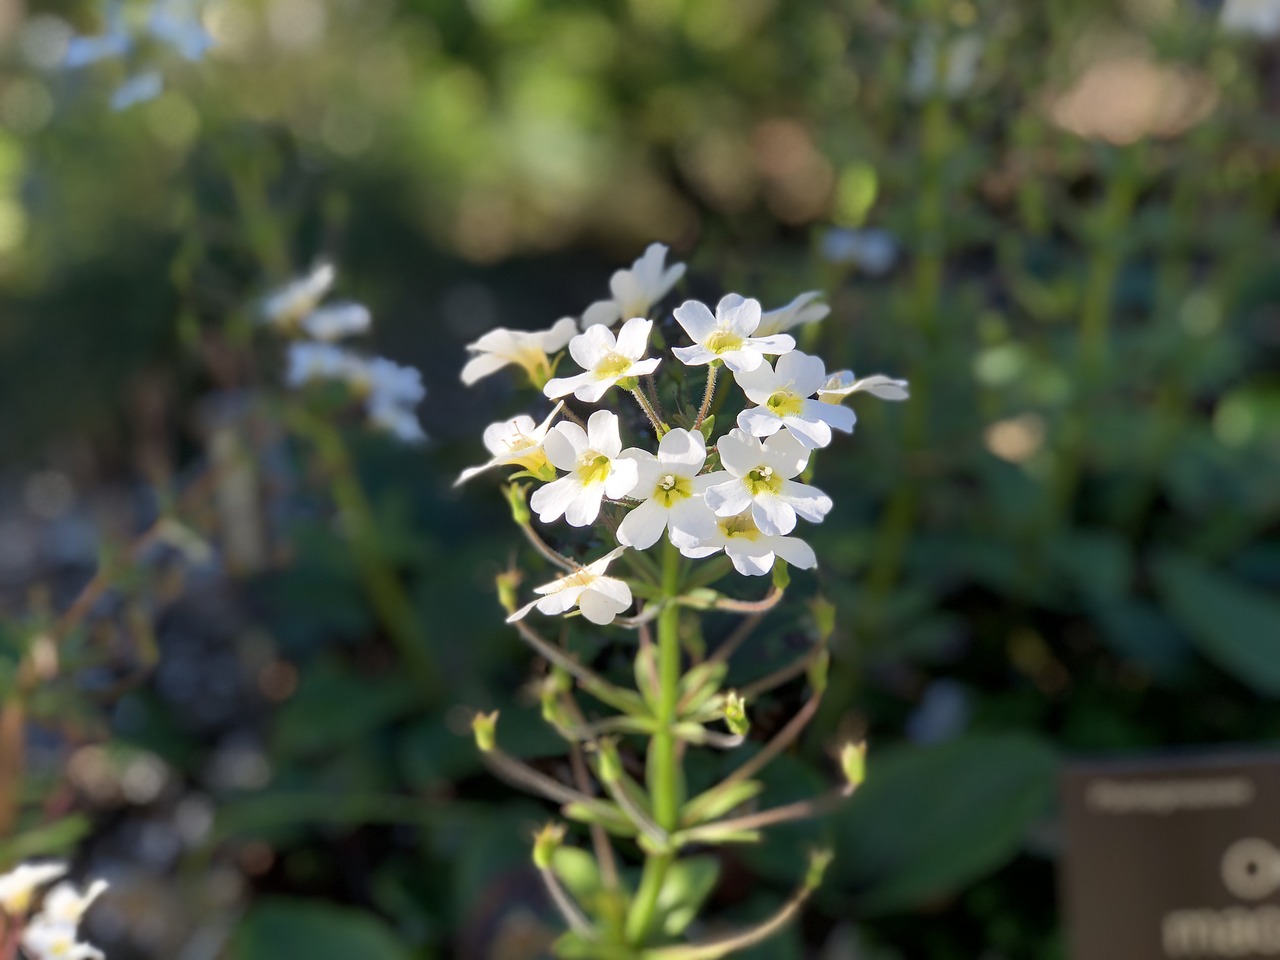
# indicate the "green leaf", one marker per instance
pixel 278 927
pixel 1235 626
pixel 929 821
pixel 578 871
pixel 688 884
pixel 53 838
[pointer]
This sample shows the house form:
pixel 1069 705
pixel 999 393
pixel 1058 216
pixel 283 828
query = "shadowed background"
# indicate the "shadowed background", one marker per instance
pixel 1056 220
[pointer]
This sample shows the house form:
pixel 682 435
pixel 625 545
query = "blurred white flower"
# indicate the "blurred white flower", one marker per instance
pixel 842 384
pixel 600 598
pixel 871 250
pixel 45 939
pixel 393 418
pixel 635 291
pixel 751 551
pixel 782 397
pixel 1260 18
pixel 286 307
pixel 605 360
pixel 671 490
pixel 595 470
pixel 761 478
pixel 336 321
pixel 307 361
pixel 517 441
pixel 728 335
pixel 954 76
pixel 172 23
pixel 527 349
pixel 64 904
pixel 19 885
pixel 802 309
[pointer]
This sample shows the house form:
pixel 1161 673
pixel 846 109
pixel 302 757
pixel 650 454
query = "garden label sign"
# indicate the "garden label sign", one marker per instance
pixel 1174 860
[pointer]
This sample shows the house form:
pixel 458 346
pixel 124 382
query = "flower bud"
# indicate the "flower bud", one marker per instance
pixel 507 583
pixel 735 714
pixel 518 503
pixel 545 844
pixel 485 728
pixel 610 762
pixel 818 671
pixel 853 762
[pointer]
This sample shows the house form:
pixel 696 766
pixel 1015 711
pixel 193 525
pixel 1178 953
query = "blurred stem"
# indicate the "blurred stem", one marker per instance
pixel 1107 241
pixel 386 593
pixel 664 761
pixel 899 517
pixel 11 761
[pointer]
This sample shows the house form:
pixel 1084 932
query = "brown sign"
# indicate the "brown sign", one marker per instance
pixel 1173 860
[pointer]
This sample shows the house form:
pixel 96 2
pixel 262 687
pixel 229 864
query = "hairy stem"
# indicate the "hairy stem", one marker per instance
pixel 707 396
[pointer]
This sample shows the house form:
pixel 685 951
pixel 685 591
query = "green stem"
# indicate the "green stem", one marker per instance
pixel 386 593
pixel 708 395
pixel 664 773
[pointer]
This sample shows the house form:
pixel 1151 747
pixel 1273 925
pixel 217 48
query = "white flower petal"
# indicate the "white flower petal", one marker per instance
pixel 759 422
pixel 599 607
pixel 785 454
pixel 602 433
pixel 809 502
pixel 623 477
pixel 481 366
pixel 565 443
pixel 812 434
pixel 684 451
pixel 591 346
pixel 642 527
pixel 696 320
pixel 738 314
pixel 601 312
pixel 834 415
pixel 751 559
pixel 773 515
pixel 805 373
pixel 561 332
pixel 694 356
pixel 728 499
pixel 550 502
pixel 795 551
pixel 584 508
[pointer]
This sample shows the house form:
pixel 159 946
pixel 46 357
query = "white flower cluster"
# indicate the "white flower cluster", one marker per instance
pixel 51 933
pixel 740 496
pixel 389 391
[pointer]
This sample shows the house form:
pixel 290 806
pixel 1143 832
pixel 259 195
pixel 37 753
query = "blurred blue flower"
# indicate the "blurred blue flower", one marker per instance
pixel 942 714
pixel 174 24
pixel 872 250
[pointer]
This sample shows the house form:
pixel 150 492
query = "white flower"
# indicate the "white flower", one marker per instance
pixel 954 76
pixel 751 551
pixel 399 421
pixel 1258 17
pixel 782 395
pixel 18 886
pixel 391 382
pixel 45 939
pixel 600 598
pixel 762 479
pixel 635 291
pixel 528 349
pixel 800 310
pixel 842 384
pixel 309 361
pixel 515 441
pixel 728 335
pixel 594 467
pixel 872 250
pixel 671 490
pixel 605 360
pixel 288 305
pixel 66 905
pixel 337 320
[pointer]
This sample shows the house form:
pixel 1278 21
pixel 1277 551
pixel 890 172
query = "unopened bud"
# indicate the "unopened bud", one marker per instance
pixel 818 671
pixel 819 860
pixel 735 714
pixel 485 728
pixel 545 844
pixel 853 762
pixel 781 574
pixel 519 505
pixel 507 583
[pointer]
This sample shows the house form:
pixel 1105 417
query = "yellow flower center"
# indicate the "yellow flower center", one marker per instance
pixel 784 403
pixel 536 462
pixel 593 468
pixel 723 341
pixel 613 365
pixel 742 527
pixel 763 480
pixel 672 489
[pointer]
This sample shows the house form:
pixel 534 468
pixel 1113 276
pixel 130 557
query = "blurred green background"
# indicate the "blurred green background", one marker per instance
pixel 1067 543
